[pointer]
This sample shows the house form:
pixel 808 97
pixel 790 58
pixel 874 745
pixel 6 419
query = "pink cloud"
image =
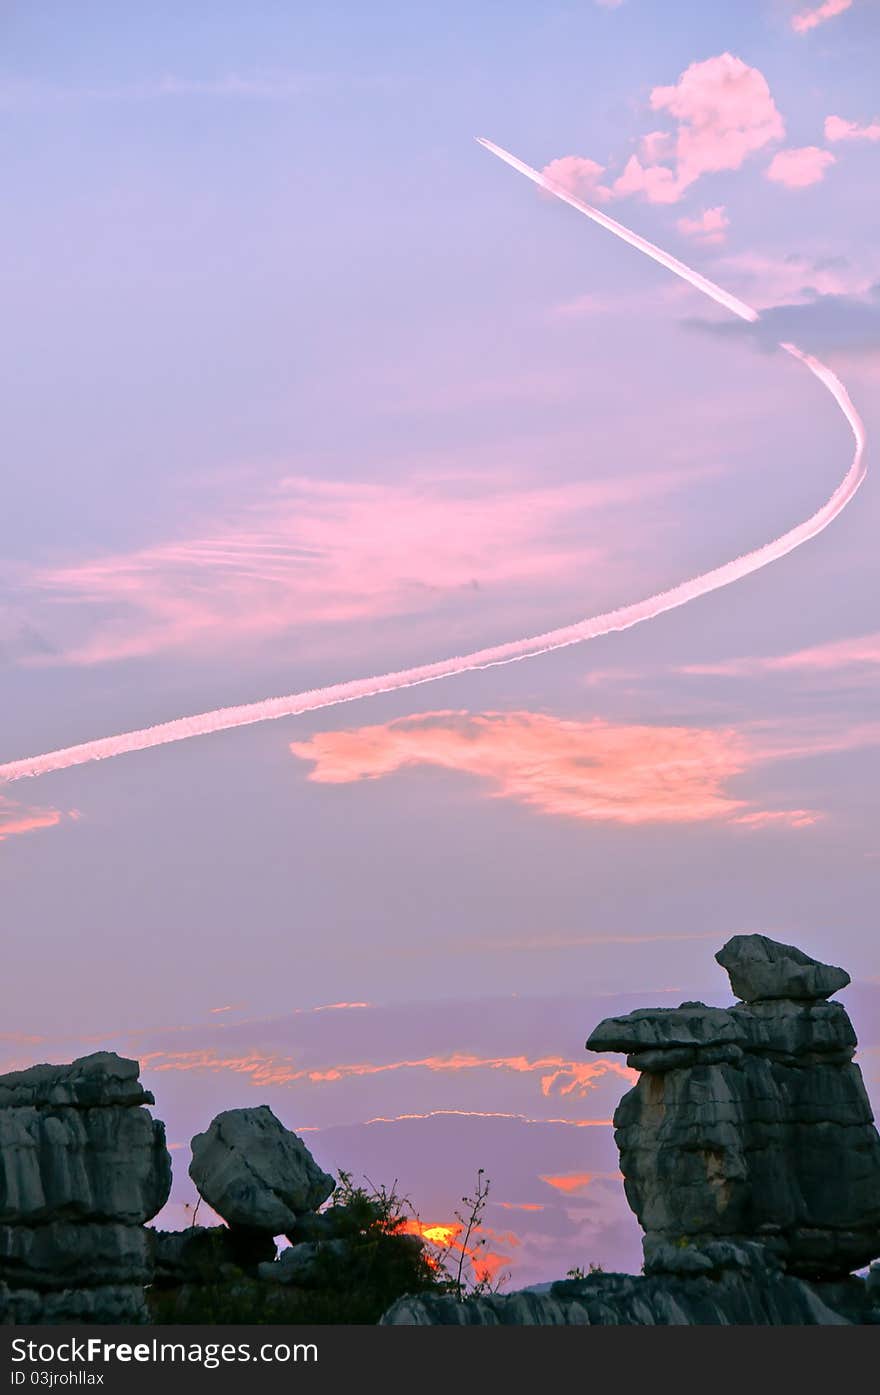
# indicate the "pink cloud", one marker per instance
pixel 806 20
pixel 18 818
pixel 595 771
pixel 800 166
pixel 320 553
pixel 836 128
pixel 709 228
pixel 656 146
pixel 789 818
pixel 578 176
pixel 656 183
pixel 863 651
pixel 795 280
pixel 725 112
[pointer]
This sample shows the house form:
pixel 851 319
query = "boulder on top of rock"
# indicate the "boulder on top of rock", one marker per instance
pixel 690 1025
pixel 760 968
pixel 254 1172
pixel 751 1124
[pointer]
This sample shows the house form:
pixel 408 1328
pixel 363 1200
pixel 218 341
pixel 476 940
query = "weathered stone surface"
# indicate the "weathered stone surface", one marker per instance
pixel 795 1032
pixel 58 1162
pixel 255 1172
pixel 315 1225
pixel 306 1264
pixel 689 1027
pixel 200 1253
pixel 733 1285
pixel 751 1123
pixel 761 968
pixel 82 1166
pixel 108 1304
pixel 57 1255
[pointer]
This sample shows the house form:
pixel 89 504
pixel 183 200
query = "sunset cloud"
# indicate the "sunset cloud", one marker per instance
pixel 800 167
pixel 863 651
pixel 489 1114
pixel 790 818
pixel 578 176
pixel 656 146
pixel 556 1075
pixel 771 281
pixel 656 183
pixel 806 20
pixel 595 770
pixel 836 129
pixel 19 818
pixel 570 1183
pixel 724 112
pixel 710 227
pixel 315 552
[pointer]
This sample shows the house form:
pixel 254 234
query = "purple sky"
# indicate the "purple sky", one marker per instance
pixel 300 385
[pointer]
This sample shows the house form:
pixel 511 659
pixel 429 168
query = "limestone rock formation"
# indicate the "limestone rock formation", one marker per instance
pixel 202 1254
pixel 305 1264
pixel 730 1285
pixel 751 1123
pixel 749 1155
pixel 256 1173
pixel 82 1166
pixel 110 1303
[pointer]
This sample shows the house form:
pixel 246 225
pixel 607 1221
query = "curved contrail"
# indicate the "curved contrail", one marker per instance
pixel 622 619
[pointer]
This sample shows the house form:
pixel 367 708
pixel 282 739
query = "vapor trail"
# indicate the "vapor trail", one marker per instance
pixel 224 718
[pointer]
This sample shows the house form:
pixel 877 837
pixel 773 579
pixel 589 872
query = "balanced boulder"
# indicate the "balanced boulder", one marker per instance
pixel 761 968
pixel 256 1173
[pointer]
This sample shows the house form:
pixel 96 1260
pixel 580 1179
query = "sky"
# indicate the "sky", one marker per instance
pixel 300 385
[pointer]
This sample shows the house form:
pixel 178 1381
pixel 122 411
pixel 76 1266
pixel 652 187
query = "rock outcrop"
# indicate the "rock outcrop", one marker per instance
pixel 82 1166
pixel 256 1173
pixel 749 1156
pixel 204 1254
pixel 751 1123
pixel 719 1286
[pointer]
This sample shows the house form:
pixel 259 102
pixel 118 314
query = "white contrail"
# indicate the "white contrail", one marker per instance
pixel 224 718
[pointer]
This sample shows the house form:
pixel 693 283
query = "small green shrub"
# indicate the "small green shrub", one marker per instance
pixel 383 1263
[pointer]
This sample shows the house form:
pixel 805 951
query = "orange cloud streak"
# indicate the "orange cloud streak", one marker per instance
pixel 16 818
pixel 569 1182
pixel 578 1077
